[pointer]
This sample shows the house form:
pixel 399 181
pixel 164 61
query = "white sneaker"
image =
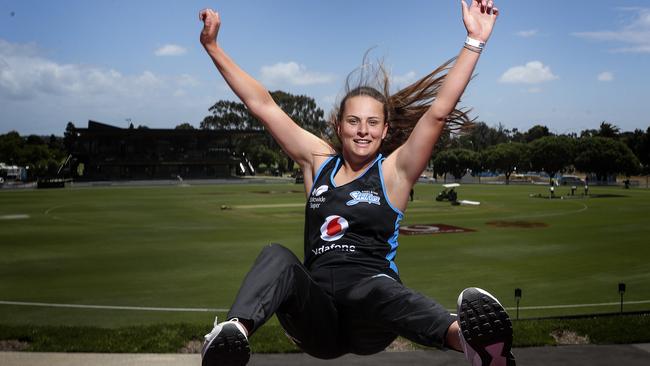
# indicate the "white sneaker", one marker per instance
pixel 485 329
pixel 226 345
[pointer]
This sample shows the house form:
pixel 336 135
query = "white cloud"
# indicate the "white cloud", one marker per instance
pixel 26 75
pixel 327 101
pixel 633 37
pixel 170 50
pixel 187 80
pixel 533 72
pixel 293 74
pixel 400 81
pixel 534 90
pixel 38 93
pixel 605 76
pixel 527 33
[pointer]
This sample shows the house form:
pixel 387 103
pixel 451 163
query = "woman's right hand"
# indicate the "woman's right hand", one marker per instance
pixel 211 23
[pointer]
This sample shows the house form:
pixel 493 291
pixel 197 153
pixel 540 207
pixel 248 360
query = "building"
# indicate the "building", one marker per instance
pixel 105 152
pixel 12 172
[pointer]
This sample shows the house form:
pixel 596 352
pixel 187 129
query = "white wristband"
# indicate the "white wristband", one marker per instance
pixel 474 42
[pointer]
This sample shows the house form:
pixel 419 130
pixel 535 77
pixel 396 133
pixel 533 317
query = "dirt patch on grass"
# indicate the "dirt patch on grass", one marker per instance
pixel 193 346
pixel 428 229
pixel 13 345
pixel 517 223
pixel 567 337
pixel 400 345
pixel 606 196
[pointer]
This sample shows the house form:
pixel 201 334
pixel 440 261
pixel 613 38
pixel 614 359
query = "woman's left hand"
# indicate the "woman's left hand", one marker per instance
pixel 479 18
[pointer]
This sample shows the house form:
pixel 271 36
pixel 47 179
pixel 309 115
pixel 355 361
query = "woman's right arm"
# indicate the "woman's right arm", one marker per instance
pixel 301 146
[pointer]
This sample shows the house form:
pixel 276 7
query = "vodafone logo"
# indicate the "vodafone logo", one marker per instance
pixel 333 228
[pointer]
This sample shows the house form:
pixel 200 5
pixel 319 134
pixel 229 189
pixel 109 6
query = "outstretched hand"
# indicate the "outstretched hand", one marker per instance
pixel 479 18
pixel 211 23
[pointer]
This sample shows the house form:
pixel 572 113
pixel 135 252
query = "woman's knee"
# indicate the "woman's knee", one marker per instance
pixel 278 254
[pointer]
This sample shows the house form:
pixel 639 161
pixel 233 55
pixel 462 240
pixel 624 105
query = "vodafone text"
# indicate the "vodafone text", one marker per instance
pixel 337 247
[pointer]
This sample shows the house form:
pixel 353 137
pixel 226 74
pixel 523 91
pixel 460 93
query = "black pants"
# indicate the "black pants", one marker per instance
pixel 329 312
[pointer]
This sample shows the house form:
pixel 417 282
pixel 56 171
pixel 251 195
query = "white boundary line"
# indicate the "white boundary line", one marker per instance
pixel 571 306
pixel 141 308
pixel 14 217
pixel 578 305
pixel 108 307
pixel 272 205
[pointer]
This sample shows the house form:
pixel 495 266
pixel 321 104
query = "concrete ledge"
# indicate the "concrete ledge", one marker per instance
pixel 607 355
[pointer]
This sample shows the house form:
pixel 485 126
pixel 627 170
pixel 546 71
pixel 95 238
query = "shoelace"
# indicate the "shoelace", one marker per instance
pixel 216 324
pixel 214 329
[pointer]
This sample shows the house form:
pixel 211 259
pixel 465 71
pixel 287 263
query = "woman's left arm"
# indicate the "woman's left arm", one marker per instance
pixel 412 157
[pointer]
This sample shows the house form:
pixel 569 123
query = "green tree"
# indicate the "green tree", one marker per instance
pixel 483 136
pixel 184 126
pixel 604 157
pixel 229 115
pixel 34 140
pixel 70 137
pixel 32 152
pixel 507 158
pixel 551 154
pixel 55 143
pixel 536 132
pixel 516 136
pixel 262 155
pixel 455 161
pixel 481 164
pixel 643 153
pixel 608 130
pixel 303 110
pixel 443 163
pixel 639 142
pixel 11 145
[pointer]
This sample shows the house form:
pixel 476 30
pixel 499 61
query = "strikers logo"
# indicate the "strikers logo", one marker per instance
pixel 334 228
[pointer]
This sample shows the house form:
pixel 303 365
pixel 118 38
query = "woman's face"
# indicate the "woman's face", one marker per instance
pixel 362 127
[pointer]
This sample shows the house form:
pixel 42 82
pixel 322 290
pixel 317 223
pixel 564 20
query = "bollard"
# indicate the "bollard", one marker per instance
pixel 517 298
pixel 621 291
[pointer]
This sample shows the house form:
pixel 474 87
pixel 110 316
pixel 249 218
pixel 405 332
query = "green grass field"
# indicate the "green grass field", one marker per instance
pixel 175 247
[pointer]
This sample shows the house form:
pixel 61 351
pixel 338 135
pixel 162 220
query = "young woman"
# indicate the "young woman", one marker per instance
pixel 347 297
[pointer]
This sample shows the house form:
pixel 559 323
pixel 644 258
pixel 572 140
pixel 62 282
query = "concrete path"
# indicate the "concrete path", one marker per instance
pixel 629 355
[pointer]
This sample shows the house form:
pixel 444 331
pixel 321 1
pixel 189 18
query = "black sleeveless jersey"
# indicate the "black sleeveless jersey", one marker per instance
pixel 353 225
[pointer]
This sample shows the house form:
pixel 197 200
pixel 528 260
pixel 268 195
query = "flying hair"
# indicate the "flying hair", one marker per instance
pixel 402 109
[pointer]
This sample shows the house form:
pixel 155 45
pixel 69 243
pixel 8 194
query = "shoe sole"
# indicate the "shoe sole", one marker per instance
pixel 228 348
pixel 486 327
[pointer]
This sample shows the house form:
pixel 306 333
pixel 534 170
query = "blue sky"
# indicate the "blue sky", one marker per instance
pixel 566 65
